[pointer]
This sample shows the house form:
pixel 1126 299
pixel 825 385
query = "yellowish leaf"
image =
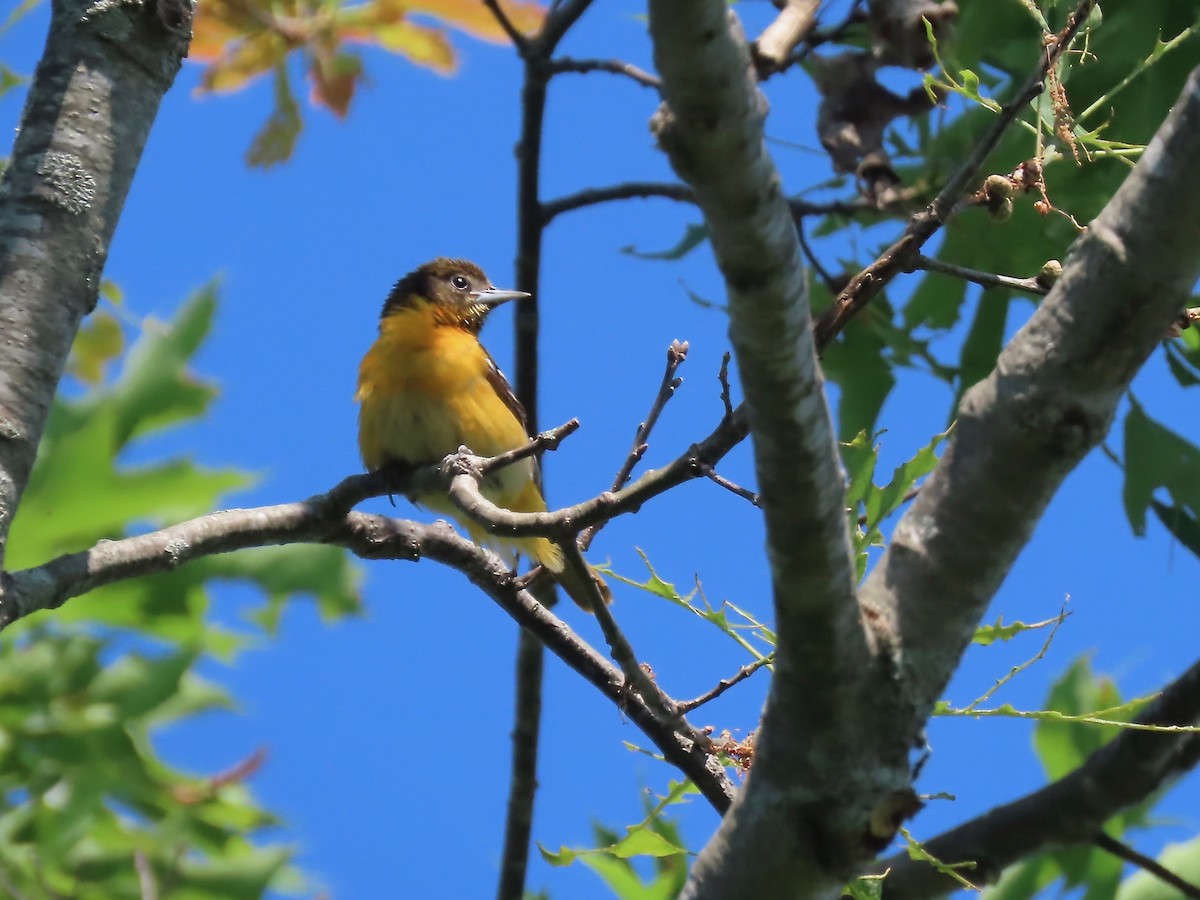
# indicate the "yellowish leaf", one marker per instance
pixel 97 343
pixel 473 17
pixel 218 23
pixel 248 59
pixel 421 44
pixel 334 76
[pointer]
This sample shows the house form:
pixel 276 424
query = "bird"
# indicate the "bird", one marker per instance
pixel 427 386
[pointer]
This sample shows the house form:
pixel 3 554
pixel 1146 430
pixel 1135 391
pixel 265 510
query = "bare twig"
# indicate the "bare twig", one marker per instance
pixel 676 354
pixel 626 191
pixel 987 279
pixel 833 285
pixel 558 23
pixel 686 706
pixel 1123 851
pixel 922 226
pixel 546 440
pixel 745 493
pixel 566 64
pixel 636 677
pixel 723 378
pixel 520 41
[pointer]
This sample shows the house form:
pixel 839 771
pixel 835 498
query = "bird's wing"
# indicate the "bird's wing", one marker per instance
pixel 500 385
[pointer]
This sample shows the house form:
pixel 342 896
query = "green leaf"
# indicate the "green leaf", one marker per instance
pixel 323 572
pixel 135 684
pixel 986 635
pixel 859 457
pixel 1183 363
pixel 1184 526
pixel 1156 457
pixel 882 502
pixel 97 343
pixel 275 142
pixel 984 340
pixel 1025 880
pixel 1063 746
pixel 868 887
pixel 692 238
pixel 858 363
pixel 644 842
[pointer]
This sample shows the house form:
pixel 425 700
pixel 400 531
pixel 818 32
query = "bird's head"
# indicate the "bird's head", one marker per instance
pixel 455 291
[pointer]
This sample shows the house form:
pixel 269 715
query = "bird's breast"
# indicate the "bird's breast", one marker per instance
pixel 424 393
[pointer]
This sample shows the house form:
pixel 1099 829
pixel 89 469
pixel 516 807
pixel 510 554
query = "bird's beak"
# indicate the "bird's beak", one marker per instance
pixel 495 296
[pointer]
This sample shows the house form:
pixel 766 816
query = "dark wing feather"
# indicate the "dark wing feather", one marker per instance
pixel 500 385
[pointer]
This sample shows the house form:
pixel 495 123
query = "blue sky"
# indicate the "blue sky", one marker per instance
pixel 388 734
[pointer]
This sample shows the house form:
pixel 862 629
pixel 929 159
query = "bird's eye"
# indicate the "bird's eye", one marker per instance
pixel 460 282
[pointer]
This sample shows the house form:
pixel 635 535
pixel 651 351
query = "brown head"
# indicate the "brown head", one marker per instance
pixel 455 290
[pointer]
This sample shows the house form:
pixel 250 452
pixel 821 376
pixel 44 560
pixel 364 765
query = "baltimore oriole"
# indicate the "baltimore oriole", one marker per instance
pixel 427 386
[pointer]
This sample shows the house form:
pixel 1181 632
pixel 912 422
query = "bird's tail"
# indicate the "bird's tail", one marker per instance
pixel 572 574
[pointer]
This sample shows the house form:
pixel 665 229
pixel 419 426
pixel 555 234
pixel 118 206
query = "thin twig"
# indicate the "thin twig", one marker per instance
pixel 676 354
pixel 745 493
pixel 987 279
pixel 546 440
pixel 566 64
pixel 922 226
pixel 1154 867
pixel 723 378
pixel 557 23
pixel 1017 670
pixel 520 41
pixel 686 706
pixel 636 678
pixel 626 191
pixel 830 283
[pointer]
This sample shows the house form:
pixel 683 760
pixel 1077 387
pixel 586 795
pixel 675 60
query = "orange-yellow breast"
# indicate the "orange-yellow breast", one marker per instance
pixel 424 391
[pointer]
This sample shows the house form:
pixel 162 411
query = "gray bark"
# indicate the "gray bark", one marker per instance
pixel 93 99
pixel 858 676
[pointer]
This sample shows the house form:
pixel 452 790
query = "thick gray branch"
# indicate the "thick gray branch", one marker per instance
pixel 95 95
pixel 1050 399
pixel 806 813
pixel 325 519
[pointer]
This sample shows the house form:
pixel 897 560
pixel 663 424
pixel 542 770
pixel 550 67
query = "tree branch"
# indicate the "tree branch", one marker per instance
pixel 520 41
pixel 1142 861
pixel 565 64
pixel 725 684
pixel 627 191
pixel 986 279
pixel 921 227
pixel 1073 809
pixel 1049 400
pixel 324 519
pixel 793 24
pixel 800 822
pixel 89 111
